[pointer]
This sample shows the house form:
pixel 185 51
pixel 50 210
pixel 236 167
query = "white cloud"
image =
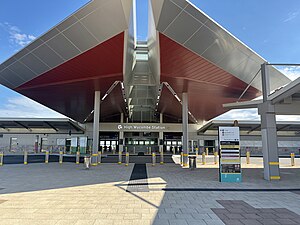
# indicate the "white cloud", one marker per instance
pixel 291 16
pixel 16 36
pixel 292 72
pixel 252 114
pixel 239 114
pixel 27 108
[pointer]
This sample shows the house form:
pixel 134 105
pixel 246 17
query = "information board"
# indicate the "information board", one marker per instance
pixel 230 157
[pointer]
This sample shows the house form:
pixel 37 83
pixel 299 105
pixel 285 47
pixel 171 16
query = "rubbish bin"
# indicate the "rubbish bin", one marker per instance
pixel 87 162
pixel 192 162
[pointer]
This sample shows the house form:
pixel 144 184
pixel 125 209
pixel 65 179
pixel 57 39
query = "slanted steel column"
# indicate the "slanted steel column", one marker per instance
pixel 185 139
pixel 97 100
pixel 268 131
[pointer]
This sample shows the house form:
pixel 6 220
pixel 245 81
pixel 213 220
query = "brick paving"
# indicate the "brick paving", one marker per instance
pixel 68 194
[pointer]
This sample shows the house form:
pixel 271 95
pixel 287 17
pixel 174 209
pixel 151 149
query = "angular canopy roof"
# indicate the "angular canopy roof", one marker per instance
pixel 95 47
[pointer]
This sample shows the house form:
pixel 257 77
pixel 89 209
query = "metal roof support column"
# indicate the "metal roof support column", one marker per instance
pixel 161 135
pixel 97 100
pixel 185 139
pixel 121 144
pixel 268 131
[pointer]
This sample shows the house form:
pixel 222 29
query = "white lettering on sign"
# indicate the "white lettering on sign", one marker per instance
pixel 141 127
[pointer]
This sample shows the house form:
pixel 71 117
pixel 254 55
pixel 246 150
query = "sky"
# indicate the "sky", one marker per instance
pixel 270 28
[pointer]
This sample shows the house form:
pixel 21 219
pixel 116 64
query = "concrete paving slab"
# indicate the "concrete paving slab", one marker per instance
pixel 69 194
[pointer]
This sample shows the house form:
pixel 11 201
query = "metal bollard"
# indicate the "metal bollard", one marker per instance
pixel 95 157
pixel 60 157
pixel 1 158
pixel 153 158
pixel 192 162
pixel 162 157
pixel 150 150
pixel 181 158
pixel 87 162
pixel 25 157
pixel 127 159
pixel 114 151
pixel 292 159
pixel 77 157
pixel 120 157
pixel 248 157
pixel 99 157
pixel 203 158
pixel 206 151
pixel 173 149
pixel 216 157
pixel 47 157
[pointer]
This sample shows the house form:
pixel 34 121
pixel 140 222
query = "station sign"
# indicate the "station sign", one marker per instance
pixel 229 152
pixel 126 127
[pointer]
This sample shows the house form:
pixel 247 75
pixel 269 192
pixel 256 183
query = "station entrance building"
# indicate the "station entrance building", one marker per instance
pixel 91 68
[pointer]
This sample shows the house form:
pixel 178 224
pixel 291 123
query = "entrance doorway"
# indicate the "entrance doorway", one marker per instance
pixel 109 142
pixel 172 143
pixel 141 142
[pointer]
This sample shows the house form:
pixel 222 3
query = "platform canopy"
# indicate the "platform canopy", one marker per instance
pixel 96 47
pixel 40 125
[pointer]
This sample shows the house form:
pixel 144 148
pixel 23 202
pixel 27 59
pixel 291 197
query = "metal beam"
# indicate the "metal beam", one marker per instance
pixel 253 129
pixel 72 125
pixel 50 125
pixel 283 127
pixel 22 125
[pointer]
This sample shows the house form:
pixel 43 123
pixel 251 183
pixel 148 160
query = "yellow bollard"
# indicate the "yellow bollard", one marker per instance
pixel 197 153
pixel 99 157
pixel 25 157
pixel 248 157
pixel 292 159
pixel 95 156
pixel 203 158
pixel 1 158
pixel 162 157
pixel 127 159
pixel 181 158
pixel 120 157
pixel 47 157
pixel 153 158
pixel 206 151
pixel 60 157
pixel 77 157
pixel 216 157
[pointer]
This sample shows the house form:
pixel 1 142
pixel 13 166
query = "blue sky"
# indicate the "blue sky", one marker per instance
pixel 271 28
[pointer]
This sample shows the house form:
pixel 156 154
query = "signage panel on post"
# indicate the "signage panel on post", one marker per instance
pixel 230 157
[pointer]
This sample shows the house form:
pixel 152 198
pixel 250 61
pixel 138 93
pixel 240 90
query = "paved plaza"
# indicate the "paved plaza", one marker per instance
pixel 143 194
